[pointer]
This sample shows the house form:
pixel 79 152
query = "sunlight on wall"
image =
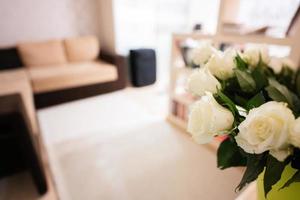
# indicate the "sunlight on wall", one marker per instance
pixel 149 24
pixel 274 13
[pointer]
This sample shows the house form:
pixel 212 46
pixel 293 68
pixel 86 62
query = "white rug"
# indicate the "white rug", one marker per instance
pixel 115 147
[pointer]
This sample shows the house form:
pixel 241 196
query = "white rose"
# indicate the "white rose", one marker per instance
pixel 208 119
pixel 202 53
pixel 278 63
pixel 222 64
pixel 295 133
pixel 266 128
pixel 252 54
pixel 289 63
pixel 202 81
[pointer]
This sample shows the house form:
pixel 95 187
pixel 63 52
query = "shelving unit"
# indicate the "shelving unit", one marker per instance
pixel 179 70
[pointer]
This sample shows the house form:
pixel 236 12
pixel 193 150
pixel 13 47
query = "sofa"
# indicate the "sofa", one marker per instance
pixel 65 70
pixel 17 82
pixel 42 74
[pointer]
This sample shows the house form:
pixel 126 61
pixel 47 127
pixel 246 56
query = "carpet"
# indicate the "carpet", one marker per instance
pixel 117 146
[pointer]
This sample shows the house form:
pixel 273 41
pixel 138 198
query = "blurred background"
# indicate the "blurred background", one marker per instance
pixel 93 101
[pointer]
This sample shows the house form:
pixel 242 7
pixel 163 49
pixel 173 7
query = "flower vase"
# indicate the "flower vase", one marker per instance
pixel 289 193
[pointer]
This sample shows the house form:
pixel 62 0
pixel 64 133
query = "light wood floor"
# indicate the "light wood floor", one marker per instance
pixel 125 154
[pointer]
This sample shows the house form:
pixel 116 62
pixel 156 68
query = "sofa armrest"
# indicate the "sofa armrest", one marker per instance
pixel 120 62
pixel 109 57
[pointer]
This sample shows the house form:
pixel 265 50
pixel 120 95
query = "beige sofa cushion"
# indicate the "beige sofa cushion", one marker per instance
pixel 72 75
pixel 82 48
pixel 37 54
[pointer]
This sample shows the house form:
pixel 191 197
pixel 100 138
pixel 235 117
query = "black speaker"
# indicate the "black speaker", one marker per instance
pixel 143 67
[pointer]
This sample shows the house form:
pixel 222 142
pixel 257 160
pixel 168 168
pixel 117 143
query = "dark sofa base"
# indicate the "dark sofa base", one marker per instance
pixel 43 100
pixel 57 97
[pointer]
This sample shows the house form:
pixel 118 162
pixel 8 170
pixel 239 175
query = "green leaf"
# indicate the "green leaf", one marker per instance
pixel 273 172
pixel 229 83
pixel 229 155
pixel 256 101
pixel 240 63
pixel 295 159
pixel 245 81
pixel 296 104
pixel 259 77
pixel 226 101
pixel 279 92
pixel 255 166
pixel 260 62
pixel 240 100
pixel 295 178
pixel 231 86
pixel 287 77
pixel 297 82
pixel 276 95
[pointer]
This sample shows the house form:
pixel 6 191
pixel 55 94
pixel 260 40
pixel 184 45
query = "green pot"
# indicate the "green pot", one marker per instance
pixel 289 193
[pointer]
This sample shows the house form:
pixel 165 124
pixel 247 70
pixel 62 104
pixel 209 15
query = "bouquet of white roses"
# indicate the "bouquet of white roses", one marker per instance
pixel 254 100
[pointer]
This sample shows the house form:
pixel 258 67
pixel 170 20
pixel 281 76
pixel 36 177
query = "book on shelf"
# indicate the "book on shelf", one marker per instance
pixel 180 106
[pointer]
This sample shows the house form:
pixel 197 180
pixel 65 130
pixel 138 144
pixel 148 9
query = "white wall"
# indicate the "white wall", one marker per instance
pixel 107 29
pixel 24 20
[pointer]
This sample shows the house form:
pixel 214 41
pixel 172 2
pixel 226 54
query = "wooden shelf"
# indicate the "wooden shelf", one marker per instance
pixel 177 122
pixel 234 38
pixel 182 99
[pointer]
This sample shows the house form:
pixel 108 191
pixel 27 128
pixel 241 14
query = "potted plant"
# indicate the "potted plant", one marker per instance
pixel 253 99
